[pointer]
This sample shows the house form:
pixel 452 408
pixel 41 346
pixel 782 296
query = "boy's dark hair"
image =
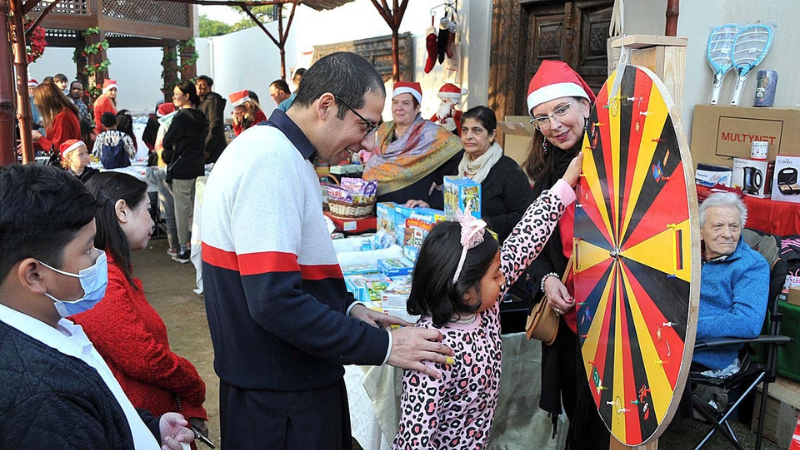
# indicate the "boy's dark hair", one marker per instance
pixel 298 75
pixel 281 85
pixel 42 209
pixel 433 292
pixel 108 188
pixel 108 119
pixel 187 87
pixel 61 77
pixel 482 114
pixel 207 79
pixel 346 75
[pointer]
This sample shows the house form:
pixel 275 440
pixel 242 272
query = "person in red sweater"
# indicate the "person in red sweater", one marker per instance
pixel 60 117
pixel 246 111
pixel 124 328
pixel 107 102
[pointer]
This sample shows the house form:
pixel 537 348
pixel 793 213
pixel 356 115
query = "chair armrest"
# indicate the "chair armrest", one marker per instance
pixel 762 339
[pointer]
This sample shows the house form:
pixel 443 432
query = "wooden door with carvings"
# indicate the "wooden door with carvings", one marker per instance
pixel 525 32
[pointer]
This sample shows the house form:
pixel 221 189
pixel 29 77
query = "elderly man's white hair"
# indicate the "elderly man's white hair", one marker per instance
pixel 723 199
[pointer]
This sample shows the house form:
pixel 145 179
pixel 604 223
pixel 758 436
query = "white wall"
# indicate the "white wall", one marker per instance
pixel 696 20
pixel 137 71
pixel 247 59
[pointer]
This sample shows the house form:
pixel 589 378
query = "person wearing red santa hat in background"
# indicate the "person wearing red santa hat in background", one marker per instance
pixel 448 116
pixel 75 159
pixel 559 103
pixel 59 117
pixel 411 155
pixel 246 111
pixel 107 102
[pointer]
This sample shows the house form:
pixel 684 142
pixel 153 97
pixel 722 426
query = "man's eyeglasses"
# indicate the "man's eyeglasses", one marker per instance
pixel 371 126
pixel 543 122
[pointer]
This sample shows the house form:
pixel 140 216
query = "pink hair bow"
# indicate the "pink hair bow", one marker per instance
pixel 472 231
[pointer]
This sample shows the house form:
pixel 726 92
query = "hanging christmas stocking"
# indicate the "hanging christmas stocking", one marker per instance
pixel 430 45
pixel 444 31
pixel 451 36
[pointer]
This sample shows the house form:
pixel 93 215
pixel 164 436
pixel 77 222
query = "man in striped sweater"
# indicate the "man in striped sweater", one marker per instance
pixel 282 323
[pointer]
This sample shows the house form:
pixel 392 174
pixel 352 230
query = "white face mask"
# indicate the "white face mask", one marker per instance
pixel 94 280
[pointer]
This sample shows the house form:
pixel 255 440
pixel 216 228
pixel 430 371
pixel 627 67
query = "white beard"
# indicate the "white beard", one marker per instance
pixel 445 110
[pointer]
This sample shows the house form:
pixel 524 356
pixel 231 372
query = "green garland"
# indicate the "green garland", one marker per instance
pixel 185 64
pixel 90 70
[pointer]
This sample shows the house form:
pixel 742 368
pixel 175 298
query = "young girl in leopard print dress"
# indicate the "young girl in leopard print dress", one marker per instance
pixel 460 275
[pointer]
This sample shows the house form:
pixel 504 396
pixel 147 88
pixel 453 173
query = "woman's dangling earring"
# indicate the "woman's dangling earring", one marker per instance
pixel 585 125
pixel 545 146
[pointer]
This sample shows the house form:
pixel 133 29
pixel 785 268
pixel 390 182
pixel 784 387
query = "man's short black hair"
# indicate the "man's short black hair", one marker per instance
pixel 281 85
pixel 207 79
pixel 42 209
pixel 343 74
pixel 108 119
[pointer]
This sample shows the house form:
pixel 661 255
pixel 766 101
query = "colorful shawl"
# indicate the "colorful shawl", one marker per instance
pixel 423 148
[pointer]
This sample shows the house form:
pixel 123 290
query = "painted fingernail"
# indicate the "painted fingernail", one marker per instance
pixel 449 360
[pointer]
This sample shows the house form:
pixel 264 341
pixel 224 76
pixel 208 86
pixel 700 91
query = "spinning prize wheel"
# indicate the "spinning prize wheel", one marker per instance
pixel 637 253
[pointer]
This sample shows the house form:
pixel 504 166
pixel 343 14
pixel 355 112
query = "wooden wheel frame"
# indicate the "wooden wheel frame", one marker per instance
pixel 637 257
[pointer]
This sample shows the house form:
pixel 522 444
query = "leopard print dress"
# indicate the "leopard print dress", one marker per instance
pixel 457 410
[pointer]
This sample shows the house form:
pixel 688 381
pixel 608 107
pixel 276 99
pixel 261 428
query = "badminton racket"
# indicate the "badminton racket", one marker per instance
pixel 750 46
pixel 719 51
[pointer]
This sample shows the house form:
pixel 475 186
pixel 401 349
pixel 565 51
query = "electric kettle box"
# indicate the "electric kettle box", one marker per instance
pixel 785 186
pixel 753 176
pixel 720 133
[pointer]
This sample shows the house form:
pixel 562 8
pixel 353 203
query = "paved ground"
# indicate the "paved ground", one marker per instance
pixel 169 289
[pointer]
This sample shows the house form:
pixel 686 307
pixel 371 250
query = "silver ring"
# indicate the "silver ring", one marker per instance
pixel 557 311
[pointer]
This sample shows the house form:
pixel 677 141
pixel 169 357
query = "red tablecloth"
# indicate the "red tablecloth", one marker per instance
pixel 779 218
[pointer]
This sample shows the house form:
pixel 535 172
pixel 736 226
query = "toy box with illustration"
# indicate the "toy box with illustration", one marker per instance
pixel 785 186
pixel 359 269
pixel 401 213
pixel 385 216
pixel 415 232
pixel 393 267
pixel 396 295
pixel 753 176
pixel 367 287
pixel 458 192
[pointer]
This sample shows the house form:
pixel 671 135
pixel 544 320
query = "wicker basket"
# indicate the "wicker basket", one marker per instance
pixel 342 210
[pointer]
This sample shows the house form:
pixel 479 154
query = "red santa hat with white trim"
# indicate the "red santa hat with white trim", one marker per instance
pixel 32 83
pixel 451 91
pixel 70 145
pixel 239 98
pixel 408 87
pixel 555 79
pixel 109 84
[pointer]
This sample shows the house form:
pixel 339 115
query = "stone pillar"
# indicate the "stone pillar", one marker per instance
pixel 170 72
pixel 188 66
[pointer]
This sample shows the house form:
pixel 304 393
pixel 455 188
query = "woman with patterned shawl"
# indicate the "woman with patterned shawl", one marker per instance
pixel 412 154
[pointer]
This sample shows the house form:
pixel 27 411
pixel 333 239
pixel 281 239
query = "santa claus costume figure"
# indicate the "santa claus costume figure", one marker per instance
pixel 448 115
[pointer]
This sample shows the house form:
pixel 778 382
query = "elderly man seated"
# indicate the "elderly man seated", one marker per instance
pixel 734 282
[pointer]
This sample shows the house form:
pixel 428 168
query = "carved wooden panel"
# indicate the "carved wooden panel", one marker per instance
pixel 592 64
pixel 378 51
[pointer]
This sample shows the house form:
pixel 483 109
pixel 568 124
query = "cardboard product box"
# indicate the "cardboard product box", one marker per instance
pixel 401 214
pixel 428 215
pixel 517 133
pixel 720 133
pixel 401 313
pixel 360 269
pixel 710 175
pixel 367 287
pixel 415 232
pixel 458 192
pixel 785 186
pixel 783 408
pixel 753 176
pixel 394 267
pixel 385 216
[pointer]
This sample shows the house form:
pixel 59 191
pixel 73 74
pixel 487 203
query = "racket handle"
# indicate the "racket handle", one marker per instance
pixel 737 91
pixel 716 88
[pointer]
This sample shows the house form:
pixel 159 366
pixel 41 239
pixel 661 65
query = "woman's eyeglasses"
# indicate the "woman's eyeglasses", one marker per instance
pixel 371 126
pixel 543 122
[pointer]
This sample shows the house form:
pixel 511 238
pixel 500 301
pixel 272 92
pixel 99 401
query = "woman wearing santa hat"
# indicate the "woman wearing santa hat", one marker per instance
pixel 59 117
pixel 559 102
pixel 246 111
pixel 411 155
pixel 107 102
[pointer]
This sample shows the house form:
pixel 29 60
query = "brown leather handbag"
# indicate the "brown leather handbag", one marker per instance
pixel 542 322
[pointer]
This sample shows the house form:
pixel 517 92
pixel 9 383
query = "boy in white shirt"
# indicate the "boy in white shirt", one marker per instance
pixel 55 389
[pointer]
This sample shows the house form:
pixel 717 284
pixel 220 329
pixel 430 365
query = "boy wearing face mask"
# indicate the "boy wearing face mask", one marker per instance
pixel 55 389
